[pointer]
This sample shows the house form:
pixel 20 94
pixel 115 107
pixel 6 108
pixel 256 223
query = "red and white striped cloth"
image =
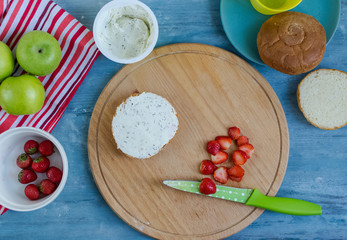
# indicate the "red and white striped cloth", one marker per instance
pixel 79 51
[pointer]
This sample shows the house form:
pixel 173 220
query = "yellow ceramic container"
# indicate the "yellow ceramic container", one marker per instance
pixel 270 7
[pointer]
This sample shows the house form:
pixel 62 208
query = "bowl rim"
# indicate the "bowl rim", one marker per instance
pixel 120 3
pixel 55 194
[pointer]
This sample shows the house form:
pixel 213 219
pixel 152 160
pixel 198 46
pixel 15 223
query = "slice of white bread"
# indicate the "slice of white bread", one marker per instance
pixel 143 124
pixel 322 97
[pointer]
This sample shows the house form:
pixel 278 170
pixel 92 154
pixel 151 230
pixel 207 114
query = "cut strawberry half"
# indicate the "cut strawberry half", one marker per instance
pixel 221 175
pixel 242 140
pixel 224 142
pixel 236 179
pixel 220 157
pixel 207 167
pixel 213 147
pixel 234 133
pixel 239 157
pixel 248 149
pixel 236 171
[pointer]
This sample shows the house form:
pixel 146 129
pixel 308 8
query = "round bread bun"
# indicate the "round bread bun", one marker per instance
pixel 143 124
pixel 322 97
pixel 291 42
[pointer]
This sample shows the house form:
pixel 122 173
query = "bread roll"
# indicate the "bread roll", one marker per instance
pixel 322 97
pixel 291 42
pixel 143 124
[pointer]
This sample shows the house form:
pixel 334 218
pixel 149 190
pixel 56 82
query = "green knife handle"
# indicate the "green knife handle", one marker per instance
pixel 283 205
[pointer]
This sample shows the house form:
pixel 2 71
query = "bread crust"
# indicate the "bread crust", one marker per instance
pixel 291 42
pixel 299 102
pixel 115 113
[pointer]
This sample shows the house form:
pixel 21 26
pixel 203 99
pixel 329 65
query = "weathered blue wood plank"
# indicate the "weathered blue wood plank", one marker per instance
pixel 317 168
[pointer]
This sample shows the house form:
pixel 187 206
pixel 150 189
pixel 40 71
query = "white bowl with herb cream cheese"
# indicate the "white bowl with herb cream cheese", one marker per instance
pixel 125 31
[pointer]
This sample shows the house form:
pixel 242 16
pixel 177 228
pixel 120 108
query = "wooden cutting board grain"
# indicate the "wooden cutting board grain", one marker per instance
pixel 211 89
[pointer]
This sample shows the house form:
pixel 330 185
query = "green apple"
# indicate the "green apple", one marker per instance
pixel 6 61
pixel 38 53
pixel 22 95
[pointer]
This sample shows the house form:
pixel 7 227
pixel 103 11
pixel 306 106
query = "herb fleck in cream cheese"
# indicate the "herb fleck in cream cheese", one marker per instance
pixel 126 31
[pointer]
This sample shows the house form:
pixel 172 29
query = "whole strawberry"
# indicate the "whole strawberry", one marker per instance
pixel 24 161
pixel 32 192
pixel 30 147
pixel 207 186
pixel 54 174
pixel 47 186
pixel 26 176
pixel 46 148
pixel 40 164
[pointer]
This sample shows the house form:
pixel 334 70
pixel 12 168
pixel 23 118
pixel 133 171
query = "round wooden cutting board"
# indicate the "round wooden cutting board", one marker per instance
pixel 211 90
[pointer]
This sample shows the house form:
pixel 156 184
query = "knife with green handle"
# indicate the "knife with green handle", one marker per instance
pixel 252 197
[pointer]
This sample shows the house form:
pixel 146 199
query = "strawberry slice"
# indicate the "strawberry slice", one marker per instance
pixel 213 147
pixel 234 133
pixel 242 140
pixel 207 186
pixel 248 149
pixel 237 179
pixel 236 171
pixel 239 157
pixel 207 167
pixel 221 175
pixel 224 142
pixel 220 157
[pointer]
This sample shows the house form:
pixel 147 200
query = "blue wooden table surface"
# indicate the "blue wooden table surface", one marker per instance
pixel 317 166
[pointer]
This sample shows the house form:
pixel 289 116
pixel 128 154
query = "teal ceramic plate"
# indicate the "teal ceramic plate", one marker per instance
pixel 241 22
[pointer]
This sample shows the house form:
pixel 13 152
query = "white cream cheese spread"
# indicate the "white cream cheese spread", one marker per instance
pixel 126 31
pixel 144 124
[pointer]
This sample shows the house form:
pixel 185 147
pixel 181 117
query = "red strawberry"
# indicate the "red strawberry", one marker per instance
pixel 239 157
pixel 54 174
pixel 220 157
pixel 40 164
pixel 47 186
pixel 206 167
pixel 213 147
pixel 237 179
pixel 24 161
pixel 242 140
pixel 248 149
pixel 224 142
pixel 221 175
pixel 46 148
pixel 26 176
pixel 32 192
pixel 234 133
pixel 30 147
pixel 236 171
pixel 207 186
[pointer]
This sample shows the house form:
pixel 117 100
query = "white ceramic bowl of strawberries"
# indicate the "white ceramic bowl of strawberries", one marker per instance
pixel 50 177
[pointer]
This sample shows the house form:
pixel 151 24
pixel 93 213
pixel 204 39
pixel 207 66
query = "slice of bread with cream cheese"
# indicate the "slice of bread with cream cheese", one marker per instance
pixel 143 124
